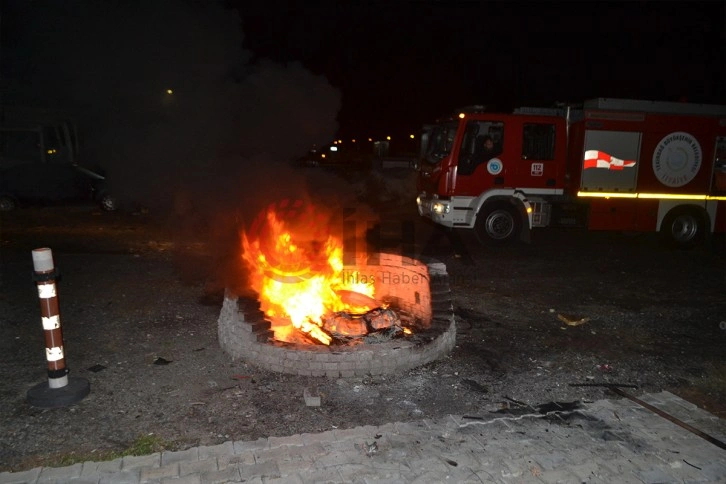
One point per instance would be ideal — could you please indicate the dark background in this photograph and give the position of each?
(255, 85)
(400, 64)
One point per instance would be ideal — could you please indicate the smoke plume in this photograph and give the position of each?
(169, 103)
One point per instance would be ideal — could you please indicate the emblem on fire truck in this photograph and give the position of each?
(600, 159)
(677, 159)
(495, 166)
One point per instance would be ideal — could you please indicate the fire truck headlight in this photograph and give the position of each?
(440, 207)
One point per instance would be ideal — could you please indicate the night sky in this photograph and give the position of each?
(405, 63)
(256, 86)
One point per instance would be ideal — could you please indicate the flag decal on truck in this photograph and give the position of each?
(600, 159)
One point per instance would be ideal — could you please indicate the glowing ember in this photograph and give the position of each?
(299, 275)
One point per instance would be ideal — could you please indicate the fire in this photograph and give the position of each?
(300, 276)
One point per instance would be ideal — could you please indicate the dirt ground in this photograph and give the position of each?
(134, 292)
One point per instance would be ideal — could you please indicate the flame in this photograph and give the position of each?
(300, 278)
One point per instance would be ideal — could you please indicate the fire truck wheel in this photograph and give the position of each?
(497, 225)
(683, 228)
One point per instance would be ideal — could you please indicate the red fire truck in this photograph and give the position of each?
(609, 164)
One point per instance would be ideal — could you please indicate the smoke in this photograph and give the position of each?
(166, 98)
(172, 107)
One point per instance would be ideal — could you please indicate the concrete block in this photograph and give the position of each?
(312, 397)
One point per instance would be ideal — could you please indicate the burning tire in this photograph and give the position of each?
(683, 228)
(497, 224)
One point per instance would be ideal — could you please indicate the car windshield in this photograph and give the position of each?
(440, 141)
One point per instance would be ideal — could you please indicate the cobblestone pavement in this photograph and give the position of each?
(605, 441)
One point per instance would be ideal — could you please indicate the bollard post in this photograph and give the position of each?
(59, 390)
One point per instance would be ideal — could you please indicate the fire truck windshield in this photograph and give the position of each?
(440, 142)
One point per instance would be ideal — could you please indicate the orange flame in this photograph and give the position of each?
(299, 279)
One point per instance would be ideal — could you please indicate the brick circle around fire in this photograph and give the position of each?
(418, 288)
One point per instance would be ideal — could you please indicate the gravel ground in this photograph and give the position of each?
(135, 291)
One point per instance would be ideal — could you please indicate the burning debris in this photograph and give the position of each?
(378, 324)
(296, 267)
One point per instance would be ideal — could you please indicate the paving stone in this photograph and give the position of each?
(230, 474)
(84, 480)
(363, 473)
(287, 441)
(305, 452)
(550, 461)
(555, 475)
(207, 451)
(108, 467)
(321, 437)
(715, 471)
(289, 479)
(168, 457)
(235, 460)
(130, 476)
(262, 471)
(150, 473)
(335, 458)
(51, 474)
(317, 476)
(20, 477)
(190, 479)
(276, 454)
(246, 446)
(588, 471)
(607, 441)
(654, 474)
(198, 467)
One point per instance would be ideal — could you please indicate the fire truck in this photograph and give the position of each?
(607, 164)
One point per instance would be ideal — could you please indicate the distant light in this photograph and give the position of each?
(322, 155)
(388, 138)
(353, 140)
(462, 115)
(370, 139)
(411, 136)
(333, 148)
(169, 91)
(340, 141)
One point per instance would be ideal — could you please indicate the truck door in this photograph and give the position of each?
(539, 170)
(523, 156)
(610, 165)
(479, 160)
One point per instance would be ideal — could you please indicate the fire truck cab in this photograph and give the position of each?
(609, 164)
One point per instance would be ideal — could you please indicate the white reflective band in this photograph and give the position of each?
(46, 291)
(52, 322)
(54, 354)
(58, 382)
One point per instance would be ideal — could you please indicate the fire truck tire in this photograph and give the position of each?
(497, 224)
(683, 228)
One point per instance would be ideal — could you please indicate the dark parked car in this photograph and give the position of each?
(38, 165)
